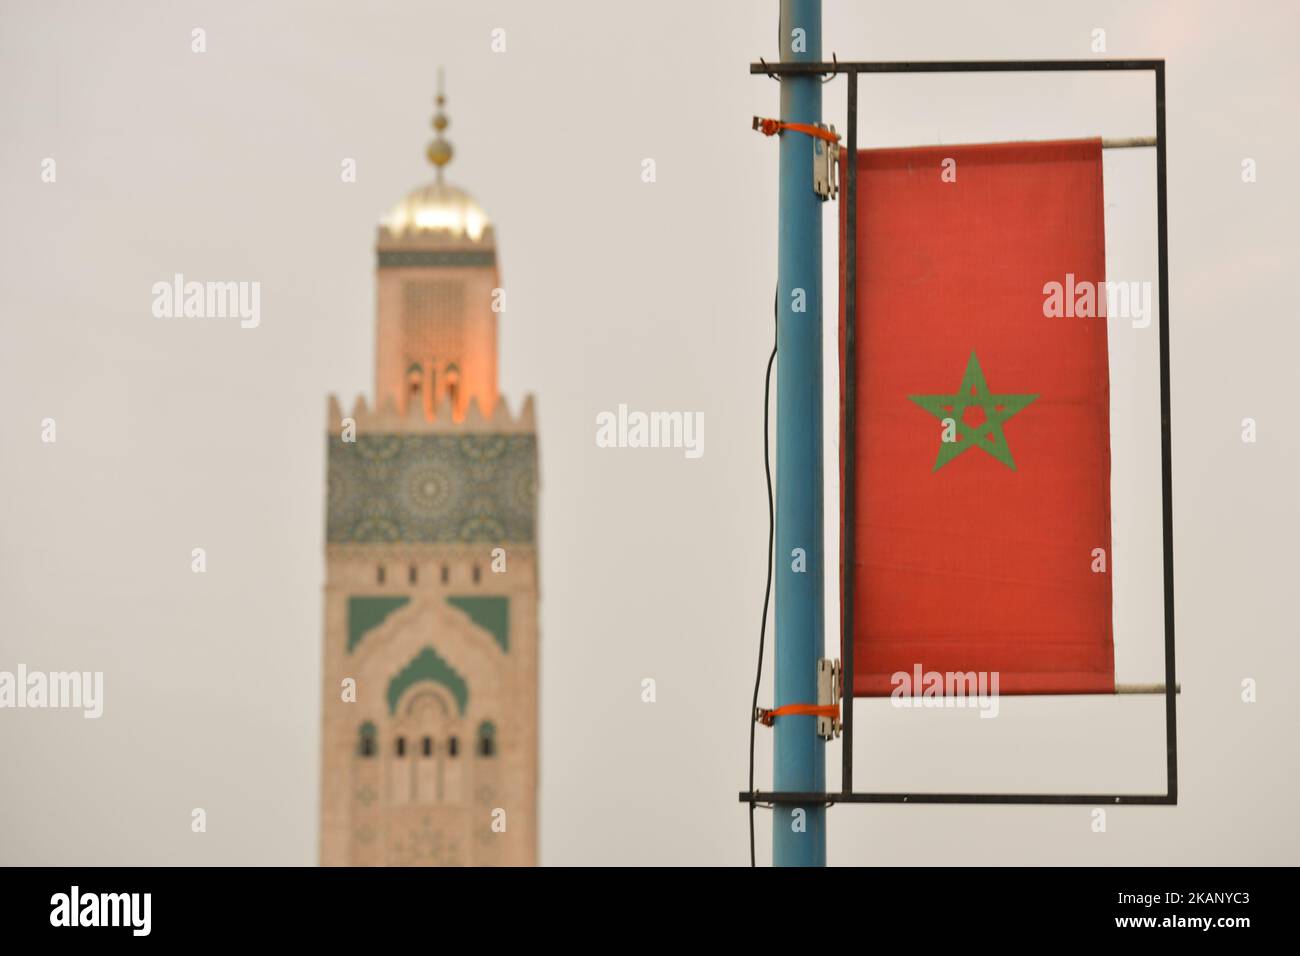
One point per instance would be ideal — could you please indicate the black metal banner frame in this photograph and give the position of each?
(853, 70)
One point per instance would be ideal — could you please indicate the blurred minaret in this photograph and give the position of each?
(430, 659)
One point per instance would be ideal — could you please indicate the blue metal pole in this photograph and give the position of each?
(799, 832)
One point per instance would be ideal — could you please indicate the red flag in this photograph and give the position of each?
(983, 425)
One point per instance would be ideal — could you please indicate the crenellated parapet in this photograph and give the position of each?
(387, 419)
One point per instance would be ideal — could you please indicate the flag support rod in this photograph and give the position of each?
(1126, 142)
(1145, 688)
(799, 761)
(798, 756)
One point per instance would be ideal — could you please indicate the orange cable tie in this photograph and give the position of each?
(766, 717)
(770, 127)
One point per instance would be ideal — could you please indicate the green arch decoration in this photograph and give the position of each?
(428, 665)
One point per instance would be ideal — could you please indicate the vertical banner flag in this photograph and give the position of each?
(982, 445)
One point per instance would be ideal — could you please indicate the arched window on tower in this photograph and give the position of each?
(414, 379)
(366, 740)
(445, 574)
(478, 574)
(453, 746)
(426, 747)
(487, 739)
(453, 385)
(401, 746)
(414, 574)
(379, 574)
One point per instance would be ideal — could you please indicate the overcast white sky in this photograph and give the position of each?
(171, 436)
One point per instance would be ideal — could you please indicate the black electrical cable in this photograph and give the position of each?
(767, 590)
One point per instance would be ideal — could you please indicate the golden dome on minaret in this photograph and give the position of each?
(439, 207)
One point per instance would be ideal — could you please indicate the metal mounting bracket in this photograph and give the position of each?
(826, 182)
(828, 695)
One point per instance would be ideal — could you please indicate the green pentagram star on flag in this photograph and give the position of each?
(977, 415)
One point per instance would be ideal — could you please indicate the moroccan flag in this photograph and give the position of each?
(983, 426)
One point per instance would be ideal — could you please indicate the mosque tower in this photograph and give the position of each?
(430, 704)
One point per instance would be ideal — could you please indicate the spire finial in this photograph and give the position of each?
(439, 151)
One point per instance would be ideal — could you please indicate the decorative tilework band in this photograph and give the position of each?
(436, 488)
(419, 259)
